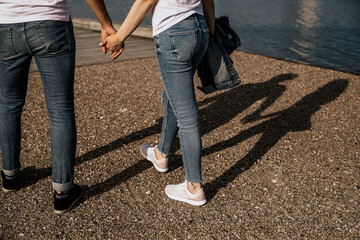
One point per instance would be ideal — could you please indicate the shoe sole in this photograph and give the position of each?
(9, 190)
(192, 202)
(149, 159)
(69, 208)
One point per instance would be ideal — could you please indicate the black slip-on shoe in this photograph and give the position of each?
(65, 202)
(10, 185)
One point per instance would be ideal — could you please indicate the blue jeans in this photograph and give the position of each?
(52, 44)
(179, 51)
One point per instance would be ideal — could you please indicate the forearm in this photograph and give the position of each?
(209, 14)
(99, 8)
(138, 12)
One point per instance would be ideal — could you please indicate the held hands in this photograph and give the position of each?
(113, 44)
(106, 32)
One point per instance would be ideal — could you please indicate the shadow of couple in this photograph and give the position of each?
(219, 110)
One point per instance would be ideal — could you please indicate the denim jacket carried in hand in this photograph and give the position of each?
(216, 70)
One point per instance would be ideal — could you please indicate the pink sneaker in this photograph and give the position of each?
(147, 152)
(181, 193)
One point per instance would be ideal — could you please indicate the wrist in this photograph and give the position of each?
(120, 37)
(107, 27)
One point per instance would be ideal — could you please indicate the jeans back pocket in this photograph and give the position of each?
(54, 36)
(184, 44)
(6, 47)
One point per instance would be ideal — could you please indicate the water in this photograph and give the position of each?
(323, 33)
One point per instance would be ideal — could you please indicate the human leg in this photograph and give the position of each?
(14, 68)
(158, 154)
(55, 58)
(13, 86)
(169, 127)
(176, 48)
(53, 44)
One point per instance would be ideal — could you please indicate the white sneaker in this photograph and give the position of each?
(147, 152)
(181, 193)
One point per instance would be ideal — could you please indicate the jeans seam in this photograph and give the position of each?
(167, 94)
(185, 160)
(180, 132)
(162, 137)
(164, 83)
(37, 27)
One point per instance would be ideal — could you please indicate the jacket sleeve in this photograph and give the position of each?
(216, 70)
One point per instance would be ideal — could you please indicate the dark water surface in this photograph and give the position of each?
(323, 33)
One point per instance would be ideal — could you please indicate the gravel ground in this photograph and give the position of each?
(281, 158)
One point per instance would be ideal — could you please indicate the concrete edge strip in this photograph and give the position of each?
(92, 24)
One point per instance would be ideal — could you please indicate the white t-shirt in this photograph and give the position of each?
(167, 13)
(17, 11)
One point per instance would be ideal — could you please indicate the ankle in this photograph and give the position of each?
(193, 187)
(60, 193)
(159, 155)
